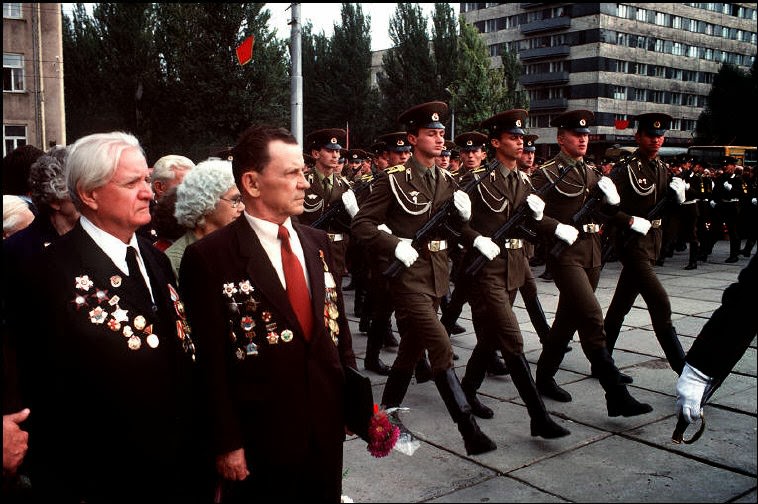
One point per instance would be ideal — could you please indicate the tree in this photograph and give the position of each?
(514, 95)
(728, 116)
(445, 48)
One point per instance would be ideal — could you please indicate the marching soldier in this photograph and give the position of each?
(689, 211)
(727, 189)
(493, 289)
(576, 271)
(642, 183)
(404, 201)
(327, 187)
(526, 160)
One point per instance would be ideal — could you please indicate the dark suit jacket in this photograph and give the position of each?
(113, 422)
(280, 398)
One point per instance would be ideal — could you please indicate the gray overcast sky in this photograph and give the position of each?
(324, 15)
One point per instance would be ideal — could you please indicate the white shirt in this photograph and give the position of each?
(268, 234)
(116, 249)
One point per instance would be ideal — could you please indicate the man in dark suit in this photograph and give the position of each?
(403, 202)
(113, 418)
(272, 336)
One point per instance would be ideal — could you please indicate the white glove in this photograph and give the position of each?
(678, 186)
(727, 186)
(536, 205)
(687, 186)
(463, 204)
(487, 247)
(406, 253)
(689, 393)
(713, 204)
(566, 233)
(754, 201)
(609, 189)
(640, 224)
(351, 204)
(383, 227)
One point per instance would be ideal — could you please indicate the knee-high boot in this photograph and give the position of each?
(373, 347)
(694, 250)
(672, 349)
(547, 365)
(612, 330)
(541, 424)
(476, 369)
(538, 318)
(618, 399)
(475, 441)
(396, 387)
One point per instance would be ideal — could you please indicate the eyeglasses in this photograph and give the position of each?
(235, 202)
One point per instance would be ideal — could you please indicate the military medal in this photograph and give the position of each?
(266, 316)
(97, 315)
(114, 300)
(114, 325)
(245, 287)
(329, 282)
(120, 314)
(287, 335)
(272, 338)
(240, 354)
(251, 305)
(128, 332)
(229, 289)
(139, 322)
(334, 327)
(332, 311)
(251, 349)
(100, 295)
(134, 342)
(83, 283)
(247, 323)
(180, 330)
(79, 301)
(152, 341)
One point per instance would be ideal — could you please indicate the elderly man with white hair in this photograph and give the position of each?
(206, 200)
(168, 172)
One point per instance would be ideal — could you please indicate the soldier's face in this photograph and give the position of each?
(649, 144)
(527, 159)
(509, 146)
(327, 160)
(572, 143)
(396, 158)
(442, 161)
(429, 142)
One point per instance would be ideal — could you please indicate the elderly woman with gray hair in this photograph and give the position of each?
(206, 200)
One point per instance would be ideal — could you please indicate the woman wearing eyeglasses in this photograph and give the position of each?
(206, 200)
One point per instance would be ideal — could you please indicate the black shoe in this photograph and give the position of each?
(745, 253)
(691, 266)
(546, 275)
(622, 403)
(497, 367)
(732, 259)
(377, 366)
(474, 439)
(423, 371)
(389, 339)
(456, 329)
(549, 388)
(622, 378)
(364, 324)
(478, 408)
(547, 428)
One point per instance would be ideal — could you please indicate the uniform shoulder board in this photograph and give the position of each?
(480, 169)
(343, 180)
(549, 164)
(395, 169)
(445, 173)
(524, 176)
(367, 177)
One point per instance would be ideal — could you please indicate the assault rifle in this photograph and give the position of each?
(516, 220)
(437, 221)
(338, 207)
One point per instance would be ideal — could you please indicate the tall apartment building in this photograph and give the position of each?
(33, 103)
(617, 60)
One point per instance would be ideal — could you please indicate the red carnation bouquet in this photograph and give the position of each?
(382, 433)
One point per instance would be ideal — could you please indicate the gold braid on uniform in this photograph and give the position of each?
(397, 192)
(550, 179)
(635, 181)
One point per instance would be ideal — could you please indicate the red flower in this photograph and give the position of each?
(382, 434)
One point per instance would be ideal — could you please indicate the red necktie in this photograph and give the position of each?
(297, 289)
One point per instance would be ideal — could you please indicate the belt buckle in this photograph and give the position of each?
(434, 245)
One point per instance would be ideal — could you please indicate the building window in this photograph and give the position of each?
(12, 10)
(619, 92)
(640, 94)
(490, 26)
(676, 125)
(13, 72)
(641, 14)
(13, 136)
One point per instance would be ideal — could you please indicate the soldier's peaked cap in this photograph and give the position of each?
(510, 121)
(396, 141)
(529, 141)
(331, 138)
(427, 115)
(577, 120)
(471, 140)
(653, 123)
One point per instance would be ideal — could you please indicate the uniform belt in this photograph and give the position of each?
(591, 228)
(656, 223)
(513, 243)
(431, 245)
(336, 237)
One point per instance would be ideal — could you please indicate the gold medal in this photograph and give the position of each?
(334, 327)
(266, 316)
(134, 343)
(153, 341)
(287, 335)
(128, 332)
(114, 325)
(115, 281)
(333, 312)
(97, 315)
(139, 322)
(272, 338)
(180, 330)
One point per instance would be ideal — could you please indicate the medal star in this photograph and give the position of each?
(120, 315)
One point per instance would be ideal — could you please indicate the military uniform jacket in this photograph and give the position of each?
(402, 202)
(722, 194)
(265, 387)
(316, 202)
(113, 417)
(492, 204)
(641, 184)
(566, 199)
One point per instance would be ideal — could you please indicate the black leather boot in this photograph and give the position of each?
(618, 399)
(496, 366)
(547, 365)
(389, 337)
(612, 330)
(541, 424)
(672, 349)
(372, 361)
(396, 387)
(476, 370)
(475, 441)
(537, 317)
(423, 370)
(692, 264)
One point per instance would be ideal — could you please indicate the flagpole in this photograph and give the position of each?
(296, 84)
(347, 135)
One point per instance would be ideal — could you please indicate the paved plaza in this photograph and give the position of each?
(604, 459)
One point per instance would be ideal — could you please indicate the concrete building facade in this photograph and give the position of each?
(33, 100)
(617, 60)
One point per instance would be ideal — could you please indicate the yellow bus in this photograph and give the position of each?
(715, 154)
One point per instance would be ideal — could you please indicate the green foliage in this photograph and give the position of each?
(728, 115)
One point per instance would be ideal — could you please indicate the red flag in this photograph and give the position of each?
(245, 50)
(622, 124)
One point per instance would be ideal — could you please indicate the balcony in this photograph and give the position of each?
(544, 25)
(547, 78)
(545, 52)
(551, 104)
